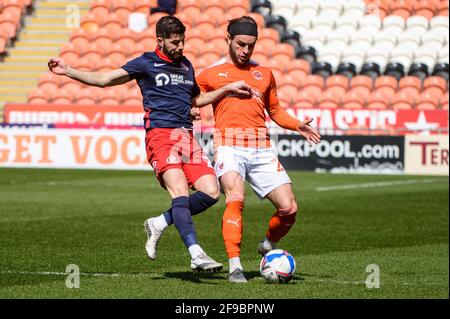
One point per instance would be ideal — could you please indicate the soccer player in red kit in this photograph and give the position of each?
(167, 82)
(242, 144)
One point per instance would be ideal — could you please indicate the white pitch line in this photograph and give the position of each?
(378, 184)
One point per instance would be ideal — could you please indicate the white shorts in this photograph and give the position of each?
(259, 166)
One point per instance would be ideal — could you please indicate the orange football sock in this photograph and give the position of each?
(232, 226)
(280, 224)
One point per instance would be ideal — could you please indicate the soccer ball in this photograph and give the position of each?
(277, 266)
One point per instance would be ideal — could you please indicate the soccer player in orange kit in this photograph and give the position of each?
(242, 143)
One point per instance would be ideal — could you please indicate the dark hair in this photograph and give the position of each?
(239, 20)
(168, 25)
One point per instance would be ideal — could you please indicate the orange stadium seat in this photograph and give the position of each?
(116, 52)
(62, 96)
(144, 6)
(276, 66)
(221, 45)
(100, 8)
(184, 4)
(13, 6)
(80, 37)
(379, 7)
(122, 8)
(85, 96)
(236, 11)
(269, 33)
(70, 51)
(238, 3)
(3, 42)
(427, 101)
(387, 84)
(284, 52)
(205, 24)
(402, 101)
(70, 84)
(435, 85)
(9, 24)
(304, 99)
(137, 50)
(213, 10)
(313, 83)
(298, 68)
(337, 80)
(284, 98)
(103, 38)
(85, 64)
(146, 35)
(328, 99)
(109, 96)
(353, 100)
(377, 101)
(411, 84)
(443, 101)
(442, 7)
(400, 8)
(49, 82)
(133, 97)
(426, 8)
(362, 81)
(114, 23)
(90, 23)
(260, 58)
(93, 51)
(126, 37)
(39, 96)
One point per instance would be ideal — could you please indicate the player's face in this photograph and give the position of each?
(173, 46)
(241, 48)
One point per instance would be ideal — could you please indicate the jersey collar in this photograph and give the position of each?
(162, 56)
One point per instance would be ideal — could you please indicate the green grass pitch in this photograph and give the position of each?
(52, 218)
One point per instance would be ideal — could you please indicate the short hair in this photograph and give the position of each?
(168, 25)
(239, 20)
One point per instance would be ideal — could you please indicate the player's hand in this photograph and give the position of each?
(195, 114)
(240, 88)
(309, 132)
(57, 66)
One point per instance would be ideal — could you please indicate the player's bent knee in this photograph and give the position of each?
(287, 215)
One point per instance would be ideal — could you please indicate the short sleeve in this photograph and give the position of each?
(202, 80)
(134, 68)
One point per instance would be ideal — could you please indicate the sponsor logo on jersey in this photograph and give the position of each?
(257, 75)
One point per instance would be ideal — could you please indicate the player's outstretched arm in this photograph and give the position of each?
(309, 132)
(100, 79)
(240, 88)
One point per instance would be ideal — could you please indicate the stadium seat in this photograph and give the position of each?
(443, 101)
(439, 25)
(114, 23)
(93, 51)
(393, 24)
(353, 100)
(122, 8)
(304, 99)
(137, 50)
(39, 96)
(331, 9)
(269, 33)
(377, 101)
(419, 69)
(298, 69)
(427, 101)
(70, 52)
(362, 81)
(259, 20)
(9, 24)
(337, 80)
(354, 8)
(62, 96)
(425, 8)
(442, 8)
(49, 82)
(408, 40)
(410, 84)
(100, 8)
(347, 69)
(90, 23)
(442, 70)
(126, 37)
(70, 84)
(322, 24)
(284, 98)
(395, 69)
(435, 85)
(378, 8)
(324, 69)
(103, 38)
(417, 25)
(154, 17)
(278, 23)
(115, 52)
(402, 101)
(401, 8)
(109, 96)
(328, 99)
(85, 96)
(85, 64)
(80, 37)
(15, 7)
(314, 83)
(262, 7)
(400, 56)
(371, 69)
(386, 84)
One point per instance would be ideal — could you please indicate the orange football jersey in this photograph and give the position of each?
(241, 121)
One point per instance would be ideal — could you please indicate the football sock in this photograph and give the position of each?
(160, 222)
(183, 220)
(232, 226)
(235, 263)
(195, 250)
(198, 202)
(280, 224)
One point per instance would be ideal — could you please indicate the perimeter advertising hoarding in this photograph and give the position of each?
(426, 155)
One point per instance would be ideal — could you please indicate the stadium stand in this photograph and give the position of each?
(374, 54)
